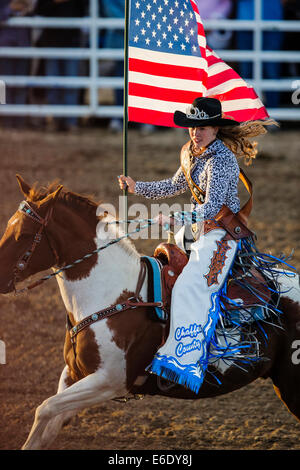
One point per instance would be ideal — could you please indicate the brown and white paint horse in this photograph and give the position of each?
(112, 354)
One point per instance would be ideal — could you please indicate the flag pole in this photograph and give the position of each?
(125, 112)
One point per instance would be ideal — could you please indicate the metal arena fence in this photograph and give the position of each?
(95, 56)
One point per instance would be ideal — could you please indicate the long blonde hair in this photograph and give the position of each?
(237, 138)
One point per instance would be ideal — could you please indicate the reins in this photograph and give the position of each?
(25, 258)
(22, 263)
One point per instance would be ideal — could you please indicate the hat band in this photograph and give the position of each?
(196, 113)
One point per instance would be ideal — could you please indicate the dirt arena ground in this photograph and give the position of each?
(33, 326)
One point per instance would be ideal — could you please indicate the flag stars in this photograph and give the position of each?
(165, 25)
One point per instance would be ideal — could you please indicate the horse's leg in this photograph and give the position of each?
(88, 391)
(55, 424)
(286, 369)
(286, 381)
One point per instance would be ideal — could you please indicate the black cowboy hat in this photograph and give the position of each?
(203, 112)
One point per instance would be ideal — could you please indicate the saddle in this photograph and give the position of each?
(168, 262)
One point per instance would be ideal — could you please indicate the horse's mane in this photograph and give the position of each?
(70, 198)
(86, 203)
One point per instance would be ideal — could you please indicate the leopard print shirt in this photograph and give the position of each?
(216, 172)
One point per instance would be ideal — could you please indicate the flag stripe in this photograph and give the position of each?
(153, 117)
(165, 70)
(156, 104)
(235, 93)
(235, 105)
(227, 87)
(219, 67)
(243, 115)
(165, 94)
(201, 33)
(166, 58)
(169, 83)
(222, 77)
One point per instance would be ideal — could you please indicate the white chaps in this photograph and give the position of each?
(195, 309)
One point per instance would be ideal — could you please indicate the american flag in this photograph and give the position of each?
(170, 65)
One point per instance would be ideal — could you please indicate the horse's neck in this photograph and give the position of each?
(115, 272)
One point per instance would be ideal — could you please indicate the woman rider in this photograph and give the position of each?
(210, 169)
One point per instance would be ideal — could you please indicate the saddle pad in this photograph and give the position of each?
(155, 266)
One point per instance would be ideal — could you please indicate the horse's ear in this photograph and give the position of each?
(57, 191)
(52, 196)
(25, 188)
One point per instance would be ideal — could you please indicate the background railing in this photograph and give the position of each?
(95, 55)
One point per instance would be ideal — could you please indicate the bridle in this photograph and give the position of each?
(22, 263)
